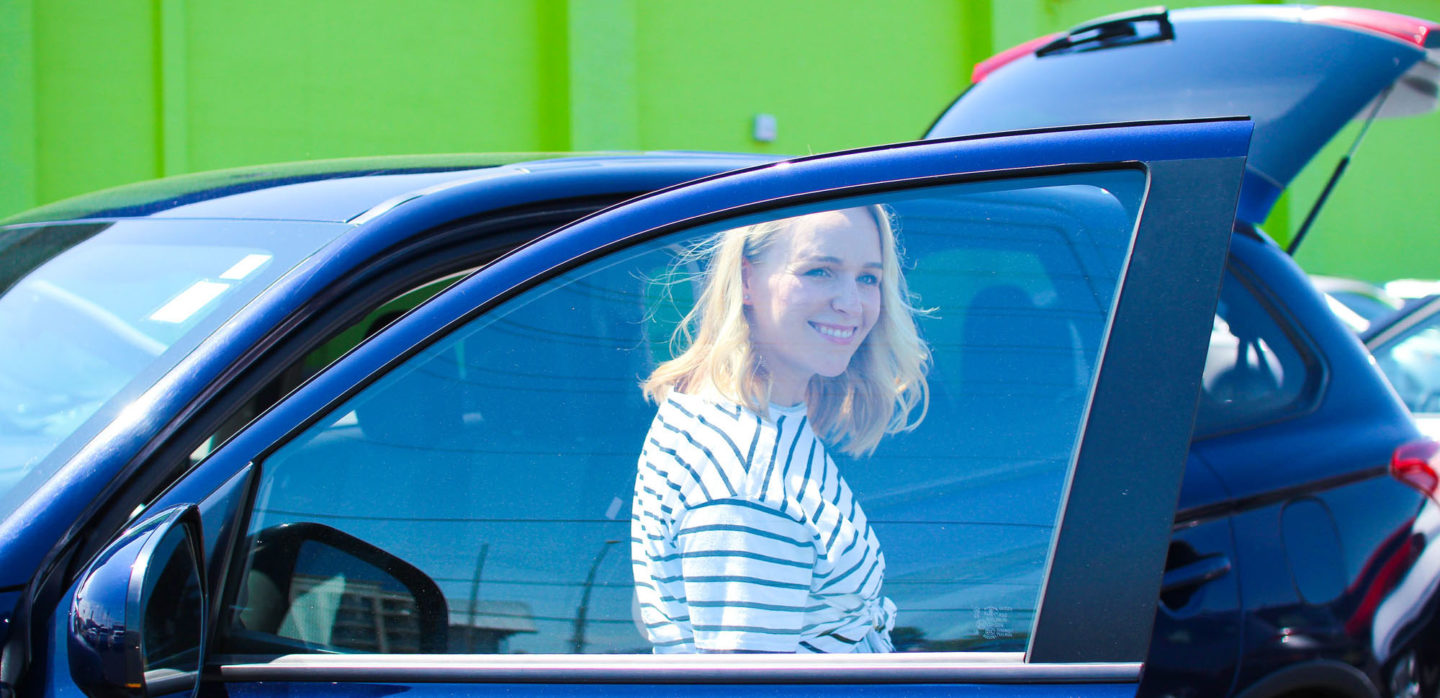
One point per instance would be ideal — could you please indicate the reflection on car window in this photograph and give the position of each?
(1412, 363)
(501, 462)
(1255, 370)
(320, 357)
(98, 317)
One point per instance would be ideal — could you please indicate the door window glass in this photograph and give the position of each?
(332, 348)
(778, 490)
(1256, 370)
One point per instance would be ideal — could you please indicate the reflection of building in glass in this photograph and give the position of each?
(370, 618)
(489, 629)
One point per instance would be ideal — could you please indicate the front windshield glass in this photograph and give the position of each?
(92, 314)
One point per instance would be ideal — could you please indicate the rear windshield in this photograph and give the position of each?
(91, 315)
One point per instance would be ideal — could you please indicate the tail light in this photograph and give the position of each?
(1417, 464)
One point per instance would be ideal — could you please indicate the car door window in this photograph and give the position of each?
(1258, 369)
(312, 362)
(500, 463)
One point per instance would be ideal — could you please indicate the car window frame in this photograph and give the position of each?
(998, 667)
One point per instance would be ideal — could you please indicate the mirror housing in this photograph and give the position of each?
(137, 622)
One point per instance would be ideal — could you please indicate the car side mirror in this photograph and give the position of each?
(137, 623)
(310, 587)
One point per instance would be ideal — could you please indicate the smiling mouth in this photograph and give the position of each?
(834, 332)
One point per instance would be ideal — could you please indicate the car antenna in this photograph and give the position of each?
(1335, 176)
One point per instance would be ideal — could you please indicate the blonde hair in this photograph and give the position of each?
(875, 395)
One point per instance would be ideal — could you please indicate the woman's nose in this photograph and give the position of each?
(847, 297)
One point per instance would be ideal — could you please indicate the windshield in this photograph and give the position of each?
(93, 314)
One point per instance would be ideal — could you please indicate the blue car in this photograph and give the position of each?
(374, 426)
(448, 504)
(1292, 547)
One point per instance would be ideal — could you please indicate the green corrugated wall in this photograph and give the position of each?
(96, 94)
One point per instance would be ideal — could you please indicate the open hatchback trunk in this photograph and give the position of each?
(1300, 73)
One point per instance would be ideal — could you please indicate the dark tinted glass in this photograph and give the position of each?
(1256, 370)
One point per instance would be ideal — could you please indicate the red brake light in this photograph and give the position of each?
(1009, 55)
(1421, 33)
(1417, 464)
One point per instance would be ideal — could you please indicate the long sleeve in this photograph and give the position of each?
(747, 570)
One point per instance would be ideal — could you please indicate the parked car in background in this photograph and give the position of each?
(1406, 346)
(1412, 289)
(1357, 303)
(1290, 533)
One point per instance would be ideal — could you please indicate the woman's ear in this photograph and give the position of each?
(746, 271)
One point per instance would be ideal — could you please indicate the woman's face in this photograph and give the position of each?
(814, 295)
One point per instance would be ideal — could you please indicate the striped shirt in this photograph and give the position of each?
(745, 537)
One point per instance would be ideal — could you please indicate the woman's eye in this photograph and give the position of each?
(869, 279)
(818, 271)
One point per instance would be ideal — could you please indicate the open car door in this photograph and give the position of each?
(456, 501)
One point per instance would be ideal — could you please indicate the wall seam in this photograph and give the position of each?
(603, 84)
(171, 120)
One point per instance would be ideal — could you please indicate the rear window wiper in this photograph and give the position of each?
(1141, 26)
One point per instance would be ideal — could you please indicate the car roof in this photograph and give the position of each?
(343, 190)
(1300, 72)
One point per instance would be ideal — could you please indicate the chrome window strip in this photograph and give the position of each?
(919, 667)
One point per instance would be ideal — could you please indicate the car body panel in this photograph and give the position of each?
(1299, 78)
(1278, 484)
(1195, 645)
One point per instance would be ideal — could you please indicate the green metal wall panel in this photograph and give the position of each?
(101, 94)
(602, 75)
(834, 75)
(17, 106)
(272, 80)
(95, 95)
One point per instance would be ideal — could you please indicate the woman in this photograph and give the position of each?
(745, 536)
